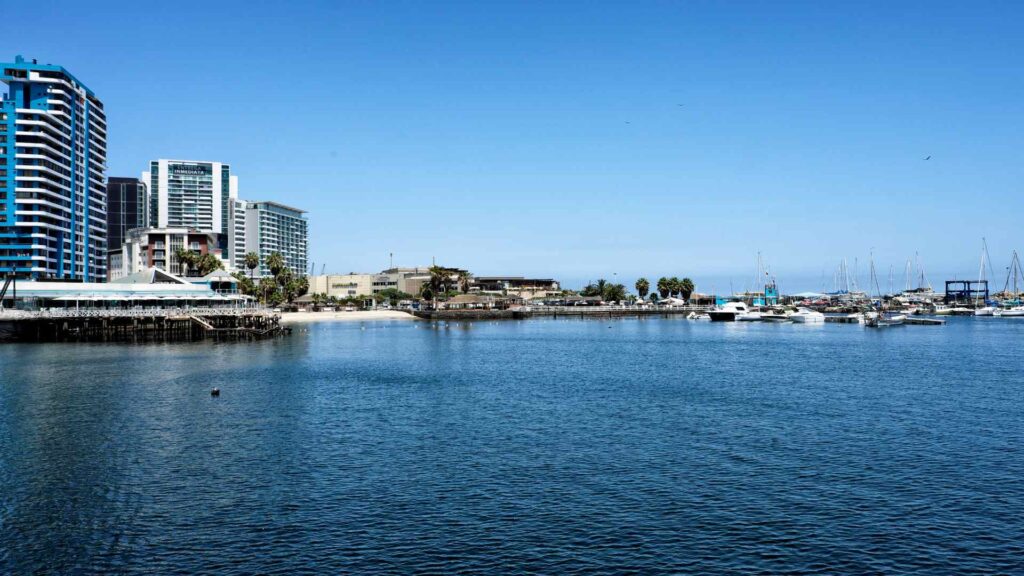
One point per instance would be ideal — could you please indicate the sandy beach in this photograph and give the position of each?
(362, 315)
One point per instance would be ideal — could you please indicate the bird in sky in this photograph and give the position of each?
(928, 158)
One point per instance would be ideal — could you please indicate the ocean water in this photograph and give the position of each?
(543, 446)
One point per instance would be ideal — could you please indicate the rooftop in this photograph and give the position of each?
(20, 64)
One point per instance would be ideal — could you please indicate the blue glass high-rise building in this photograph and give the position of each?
(53, 147)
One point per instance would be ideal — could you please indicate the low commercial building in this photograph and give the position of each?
(157, 248)
(481, 302)
(516, 285)
(408, 280)
(149, 288)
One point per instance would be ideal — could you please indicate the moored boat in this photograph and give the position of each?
(728, 312)
(807, 316)
(776, 316)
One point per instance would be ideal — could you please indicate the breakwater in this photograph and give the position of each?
(559, 311)
(178, 324)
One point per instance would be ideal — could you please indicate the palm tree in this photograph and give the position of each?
(267, 287)
(686, 288)
(643, 287)
(673, 285)
(186, 258)
(252, 262)
(275, 263)
(601, 283)
(439, 278)
(207, 263)
(614, 293)
(464, 278)
(664, 287)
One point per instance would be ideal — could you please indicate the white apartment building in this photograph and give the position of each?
(272, 227)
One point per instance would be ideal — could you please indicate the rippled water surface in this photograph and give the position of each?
(551, 446)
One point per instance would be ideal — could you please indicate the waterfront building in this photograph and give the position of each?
(408, 280)
(516, 285)
(53, 147)
(272, 227)
(192, 194)
(127, 208)
(145, 248)
(237, 234)
(411, 281)
(149, 287)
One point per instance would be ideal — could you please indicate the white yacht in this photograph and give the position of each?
(807, 316)
(986, 311)
(1014, 312)
(729, 312)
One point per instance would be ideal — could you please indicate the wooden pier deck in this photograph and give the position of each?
(139, 325)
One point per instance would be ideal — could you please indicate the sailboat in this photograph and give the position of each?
(1015, 310)
(882, 318)
(982, 308)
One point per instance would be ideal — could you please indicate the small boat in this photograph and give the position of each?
(728, 312)
(1015, 312)
(884, 319)
(942, 310)
(776, 316)
(750, 317)
(985, 311)
(807, 316)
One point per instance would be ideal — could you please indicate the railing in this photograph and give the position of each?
(622, 308)
(131, 313)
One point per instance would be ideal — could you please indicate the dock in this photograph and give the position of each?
(922, 321)
(133, 325)
(843, 319)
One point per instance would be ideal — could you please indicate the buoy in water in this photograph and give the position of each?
(215, 392)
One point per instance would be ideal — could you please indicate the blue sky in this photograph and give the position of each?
(579, 139)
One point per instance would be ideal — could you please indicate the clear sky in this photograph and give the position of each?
(579, 139)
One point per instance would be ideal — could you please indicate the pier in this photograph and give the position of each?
(169, 324)
(559, 312)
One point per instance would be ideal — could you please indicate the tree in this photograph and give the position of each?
(438, 279)
(686, 288)
(393, 295)
(614, 293)
(643, 287)
(207, 263)
(464, 278)
(245, 284)
(267, 287)
(664, 287)
(252, 262)
(673, 286)
(186, 258)
(275, 263)
(426, 293)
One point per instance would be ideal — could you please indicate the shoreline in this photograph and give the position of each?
(355, 316)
